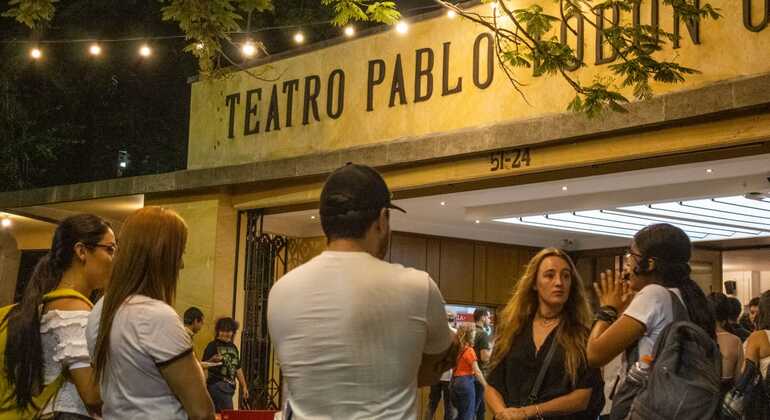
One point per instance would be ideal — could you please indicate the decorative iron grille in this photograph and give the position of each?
(266, 257)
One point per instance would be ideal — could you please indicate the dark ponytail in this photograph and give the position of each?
(24, 350)
(671, 250)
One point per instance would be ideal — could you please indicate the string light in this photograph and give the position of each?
(95, 49)
(248, 49)
(145, 51)
(6, 222)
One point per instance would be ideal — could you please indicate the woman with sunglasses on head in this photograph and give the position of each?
(46, 362)
(538, 367)
(638, 304)
(142, 354)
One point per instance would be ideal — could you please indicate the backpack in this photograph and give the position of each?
(684, 379)
(8, 408)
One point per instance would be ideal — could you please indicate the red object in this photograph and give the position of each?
(248, 414)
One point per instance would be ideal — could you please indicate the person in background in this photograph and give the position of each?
(141, 353)
(367, 332)
(758, 351)
(193, 321)
(633, 313)
(748, 320)
(483, 349)
(733, 326)
(221, 380)
(442, 388)
(46, 336)
(729, 345)
(547, 314)
(465, 375)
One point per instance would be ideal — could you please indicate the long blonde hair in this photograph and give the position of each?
(521, 308)
(152, 241)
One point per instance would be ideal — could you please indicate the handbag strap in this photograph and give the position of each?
(543, 369)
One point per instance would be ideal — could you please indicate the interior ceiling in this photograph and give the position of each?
(113, 209)
(471, 214)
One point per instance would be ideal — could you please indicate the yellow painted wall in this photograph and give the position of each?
(206, 280)
(38, 238)
(727, 50)
(691, 138)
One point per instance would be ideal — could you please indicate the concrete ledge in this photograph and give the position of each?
(719, 100)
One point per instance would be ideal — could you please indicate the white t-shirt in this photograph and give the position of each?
(652, 307)
(350, 331)
(146, 333)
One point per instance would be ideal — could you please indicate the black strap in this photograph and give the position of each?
(543, 369)
(678, 310)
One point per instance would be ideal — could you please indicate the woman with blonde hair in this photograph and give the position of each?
(141, 353)
(538, 367)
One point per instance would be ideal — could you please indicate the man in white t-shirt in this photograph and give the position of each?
(355, 336)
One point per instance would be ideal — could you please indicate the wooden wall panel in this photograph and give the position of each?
(456, 270)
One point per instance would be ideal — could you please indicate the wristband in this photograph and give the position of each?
(607, 314)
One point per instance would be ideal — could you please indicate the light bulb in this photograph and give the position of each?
(35, 53)
(451, 14)
(95, 49)
(145, 51)
(248, 49)
(299, 37)
(6, 222)
(402, 28)
(350, 31)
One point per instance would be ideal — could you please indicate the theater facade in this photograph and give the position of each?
(487, 175)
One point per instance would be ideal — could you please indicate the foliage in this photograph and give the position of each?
(29, 142)
(523, 41)
(209, 24)
(31, 12)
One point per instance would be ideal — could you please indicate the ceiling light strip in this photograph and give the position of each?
(518, 220)
(684, 225)
(649, 209)
(743, 202)
(635, 221)
(734, 217)
(734, 210)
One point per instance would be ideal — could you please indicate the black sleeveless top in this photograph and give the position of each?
(515, 375)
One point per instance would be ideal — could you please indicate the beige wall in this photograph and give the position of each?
(206, 280)
(727, 50)
(10, 256)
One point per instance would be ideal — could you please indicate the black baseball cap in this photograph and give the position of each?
(355, 188)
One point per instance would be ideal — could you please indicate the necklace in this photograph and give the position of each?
(547, 322)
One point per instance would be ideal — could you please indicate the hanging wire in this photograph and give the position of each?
(248, 31)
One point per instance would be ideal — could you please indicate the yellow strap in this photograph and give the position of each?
(66, 293)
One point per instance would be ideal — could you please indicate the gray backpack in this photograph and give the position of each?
(684, 380)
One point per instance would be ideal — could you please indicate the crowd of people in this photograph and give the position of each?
(356, 336)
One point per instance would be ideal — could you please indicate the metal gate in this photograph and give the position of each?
(265, 259)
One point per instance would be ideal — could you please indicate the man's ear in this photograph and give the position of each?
(384, 219)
